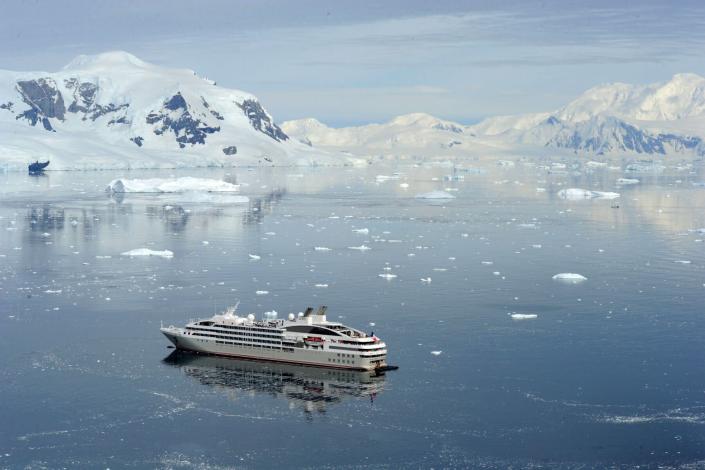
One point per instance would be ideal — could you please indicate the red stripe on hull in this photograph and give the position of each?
(261, 359)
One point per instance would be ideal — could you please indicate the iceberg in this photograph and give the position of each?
(524, 316)
(571, 278)
(148, 252)
(435, 195)
(575, 194)
(360, 248)
(170, 185)
(625, 181)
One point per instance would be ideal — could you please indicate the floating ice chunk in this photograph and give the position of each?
(574, 194)
(148, 252)
(387, 276)
(103, 257)
(46, 234)
(537, 245)
(322, 248)
(382, 178)
(436, 353)
(372, 323)
(435, 195)
(262, 292)
(206, 242)
(507, 163)
(440, 269)
(571, 278)
(526, 225)
(682, 261)
(626, 181)
(254, 257)
(524, 316)
(540, 190)
(427, 280)
(487, 263)
(170, 185)
(404, 185)
(74, 222)
(363, 231)
(360, 248)
(594, 164)
(50, 291)
(270, 234)
(321, 285)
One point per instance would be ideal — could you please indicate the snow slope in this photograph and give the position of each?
(114, 110)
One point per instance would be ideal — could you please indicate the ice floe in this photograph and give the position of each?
(571, 278)
(387, 276)
(322, 248)
(254, 257)
(626, 181)
(170, 185)
(524, 316)
(574, 194)
(360, 248)
(148, 252)
(435, 195)
(436, 353)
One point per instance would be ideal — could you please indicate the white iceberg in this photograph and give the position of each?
(363, 231)
(572, 278)
(170, 185)
(254, 257)
(360, 248)
(524, 316)
(148, 252)
(321, 248)
(436, 353)
(626, 181)
(387, 276)
(575, 194)
(435, 195)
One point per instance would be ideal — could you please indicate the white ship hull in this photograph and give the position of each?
(320, 357)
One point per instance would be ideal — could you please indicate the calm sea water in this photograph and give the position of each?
(610, 373)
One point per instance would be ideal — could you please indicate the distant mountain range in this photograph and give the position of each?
(614, 120)
(114, 110)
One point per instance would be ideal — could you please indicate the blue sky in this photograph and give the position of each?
(355, 62)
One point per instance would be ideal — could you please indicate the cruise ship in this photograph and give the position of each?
(307, 338)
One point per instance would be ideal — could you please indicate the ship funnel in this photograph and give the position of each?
(308, 312)
(322, 310)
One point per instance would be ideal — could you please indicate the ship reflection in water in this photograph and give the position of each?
(312, 389)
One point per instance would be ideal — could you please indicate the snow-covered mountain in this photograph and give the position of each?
(617, 119)
(114, 110)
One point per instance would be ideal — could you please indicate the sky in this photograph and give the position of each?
(353, 62)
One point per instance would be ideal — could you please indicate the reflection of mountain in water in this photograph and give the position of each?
(259, 206)
(312, 388)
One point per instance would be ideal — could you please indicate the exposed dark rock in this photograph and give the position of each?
(138, 140)
(187, 128)
(261, 120)
(7, 106)
(232, 150)
(213, 112)
(611, 134)
(84, 96)
(175, 102)
(120, 120)
(44, 99)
